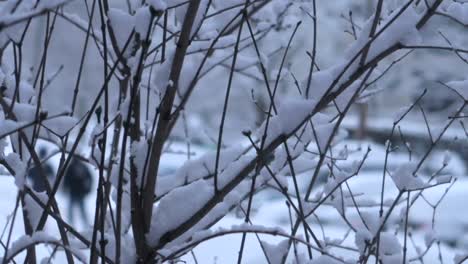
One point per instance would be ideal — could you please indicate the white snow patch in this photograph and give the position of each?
(142, 21)
(19, 168)
(122, 25)
(177, 207)
(276, 252)
(404, 179)
(158, 5)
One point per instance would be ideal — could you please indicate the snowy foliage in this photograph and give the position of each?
(199, 110)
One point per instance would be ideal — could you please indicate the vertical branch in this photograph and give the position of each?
(405, 249)
(31, 251)
(100, 204)
(226, 100)
(314, 48)
(165, 113)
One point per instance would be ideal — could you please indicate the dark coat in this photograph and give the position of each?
(78, 179)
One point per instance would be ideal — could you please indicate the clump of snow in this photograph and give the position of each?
(158, 5)
(19, 168)
(122, 25)
(323, 134)
(142, 21)
(458, 11)
(3, 146)
(362, 238)
(177, 207)
(301, 164)
(390, 248)
(161, 76)
(291, 114)
(276, 252)
(8, 126)
(332, 183)
(24, 112)
(221, 209)
(402, 29)
(233, 170)
(371, 221)
(338, 202)
(139, 151)
(404, 179)
(321, 80)
(24, 241)
(193, 170)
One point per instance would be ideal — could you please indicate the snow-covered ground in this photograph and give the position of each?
(271, 211)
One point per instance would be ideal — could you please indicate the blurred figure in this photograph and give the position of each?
(77, 184)
(37, 180)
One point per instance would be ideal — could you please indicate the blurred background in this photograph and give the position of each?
(417, 71)
(369, 123)
(401, 85)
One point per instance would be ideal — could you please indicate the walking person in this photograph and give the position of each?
(77, 184)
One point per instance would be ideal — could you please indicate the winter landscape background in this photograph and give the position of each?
(294, 131)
